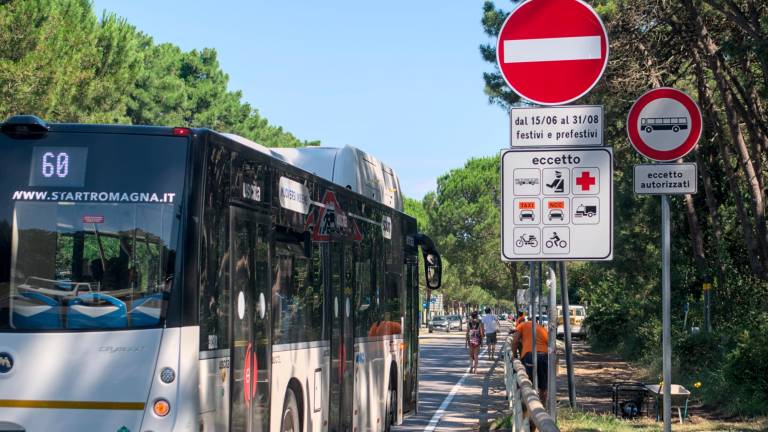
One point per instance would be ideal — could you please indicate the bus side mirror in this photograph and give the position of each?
(433, 269)
(433, 265)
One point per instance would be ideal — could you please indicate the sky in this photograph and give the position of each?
(401, 80)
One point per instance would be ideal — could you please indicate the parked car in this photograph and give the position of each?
(455, 322)
(577, 314)
(445, 323)
(438, 323)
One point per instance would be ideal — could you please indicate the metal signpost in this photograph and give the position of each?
(665, 124)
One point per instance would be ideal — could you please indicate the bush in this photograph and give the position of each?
(744, 371)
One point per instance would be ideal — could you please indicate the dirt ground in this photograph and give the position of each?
(595, 375)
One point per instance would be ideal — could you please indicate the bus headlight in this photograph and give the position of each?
(161, 407)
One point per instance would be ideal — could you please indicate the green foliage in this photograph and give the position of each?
(662, 43)
(59, 62)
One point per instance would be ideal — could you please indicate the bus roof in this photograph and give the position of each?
(348, 167)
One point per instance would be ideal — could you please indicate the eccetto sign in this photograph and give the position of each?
(670, 179)
(557, 204)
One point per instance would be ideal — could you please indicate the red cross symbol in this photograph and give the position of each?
(586, 181)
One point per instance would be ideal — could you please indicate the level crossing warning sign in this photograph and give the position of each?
(557, 205)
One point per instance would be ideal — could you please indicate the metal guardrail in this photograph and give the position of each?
(520, 394)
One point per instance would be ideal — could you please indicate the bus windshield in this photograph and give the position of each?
(99, 254)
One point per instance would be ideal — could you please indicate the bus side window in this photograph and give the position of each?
(214, 260)
(297, 297)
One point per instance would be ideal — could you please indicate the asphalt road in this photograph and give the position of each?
(450, 398)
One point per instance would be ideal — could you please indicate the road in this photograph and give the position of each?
(450, 398)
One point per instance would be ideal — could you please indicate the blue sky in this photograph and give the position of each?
(401, 80)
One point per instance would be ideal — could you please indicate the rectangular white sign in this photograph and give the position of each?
(578, 125)
(667, 179)
(552, 49)
(294, 195)
(557, 205)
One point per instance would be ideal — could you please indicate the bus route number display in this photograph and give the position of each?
(58, 166)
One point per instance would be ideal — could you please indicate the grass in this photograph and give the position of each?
(581, 421)
(569, 420)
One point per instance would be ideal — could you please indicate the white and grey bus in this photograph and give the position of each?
(174, 279)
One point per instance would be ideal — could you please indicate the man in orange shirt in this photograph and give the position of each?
(524, 335)
(520, 318)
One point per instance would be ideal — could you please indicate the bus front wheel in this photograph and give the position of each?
(290, 421)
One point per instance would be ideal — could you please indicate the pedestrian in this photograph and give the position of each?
(474, 339)
(520, 318)
(523, 339)
(491, 326)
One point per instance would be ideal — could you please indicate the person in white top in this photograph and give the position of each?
(491, 324)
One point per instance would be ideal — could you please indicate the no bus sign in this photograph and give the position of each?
(552, 52)
(664, 124)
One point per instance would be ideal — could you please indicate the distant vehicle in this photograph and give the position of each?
(577, 314)
(542, 319)
(556, 214)
(455, 322)
(445, 323)
(503, 317)
(527, 215)
(588, 210)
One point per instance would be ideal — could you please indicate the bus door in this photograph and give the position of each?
(409, 298)
(250, 345)
(342, 337)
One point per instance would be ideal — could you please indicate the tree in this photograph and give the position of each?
(59, 62)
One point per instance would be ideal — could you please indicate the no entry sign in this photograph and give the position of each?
(552, 52)
(664, 124)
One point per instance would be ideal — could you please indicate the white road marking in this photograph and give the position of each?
(552, 49)
(448, 399)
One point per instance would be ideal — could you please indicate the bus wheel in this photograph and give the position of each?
(391, 415)
(290, 421)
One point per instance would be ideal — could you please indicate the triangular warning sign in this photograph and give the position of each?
(331, 220)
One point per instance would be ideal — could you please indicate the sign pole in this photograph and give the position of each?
(535, 280)
(552, 349)
(567, 333)
(666, 310)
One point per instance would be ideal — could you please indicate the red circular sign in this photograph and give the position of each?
(664, 124)
(552, 52)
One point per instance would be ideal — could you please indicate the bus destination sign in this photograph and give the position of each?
(58, 166)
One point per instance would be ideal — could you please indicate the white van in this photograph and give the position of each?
(577, 315)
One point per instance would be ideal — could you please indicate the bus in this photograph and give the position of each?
(176, 279)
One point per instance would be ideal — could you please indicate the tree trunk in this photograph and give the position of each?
(746, 223)
(714, 59)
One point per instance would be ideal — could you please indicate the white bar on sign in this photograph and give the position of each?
(552, 49)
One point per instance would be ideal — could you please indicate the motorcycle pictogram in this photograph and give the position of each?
(529, 240)
(556, 241)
